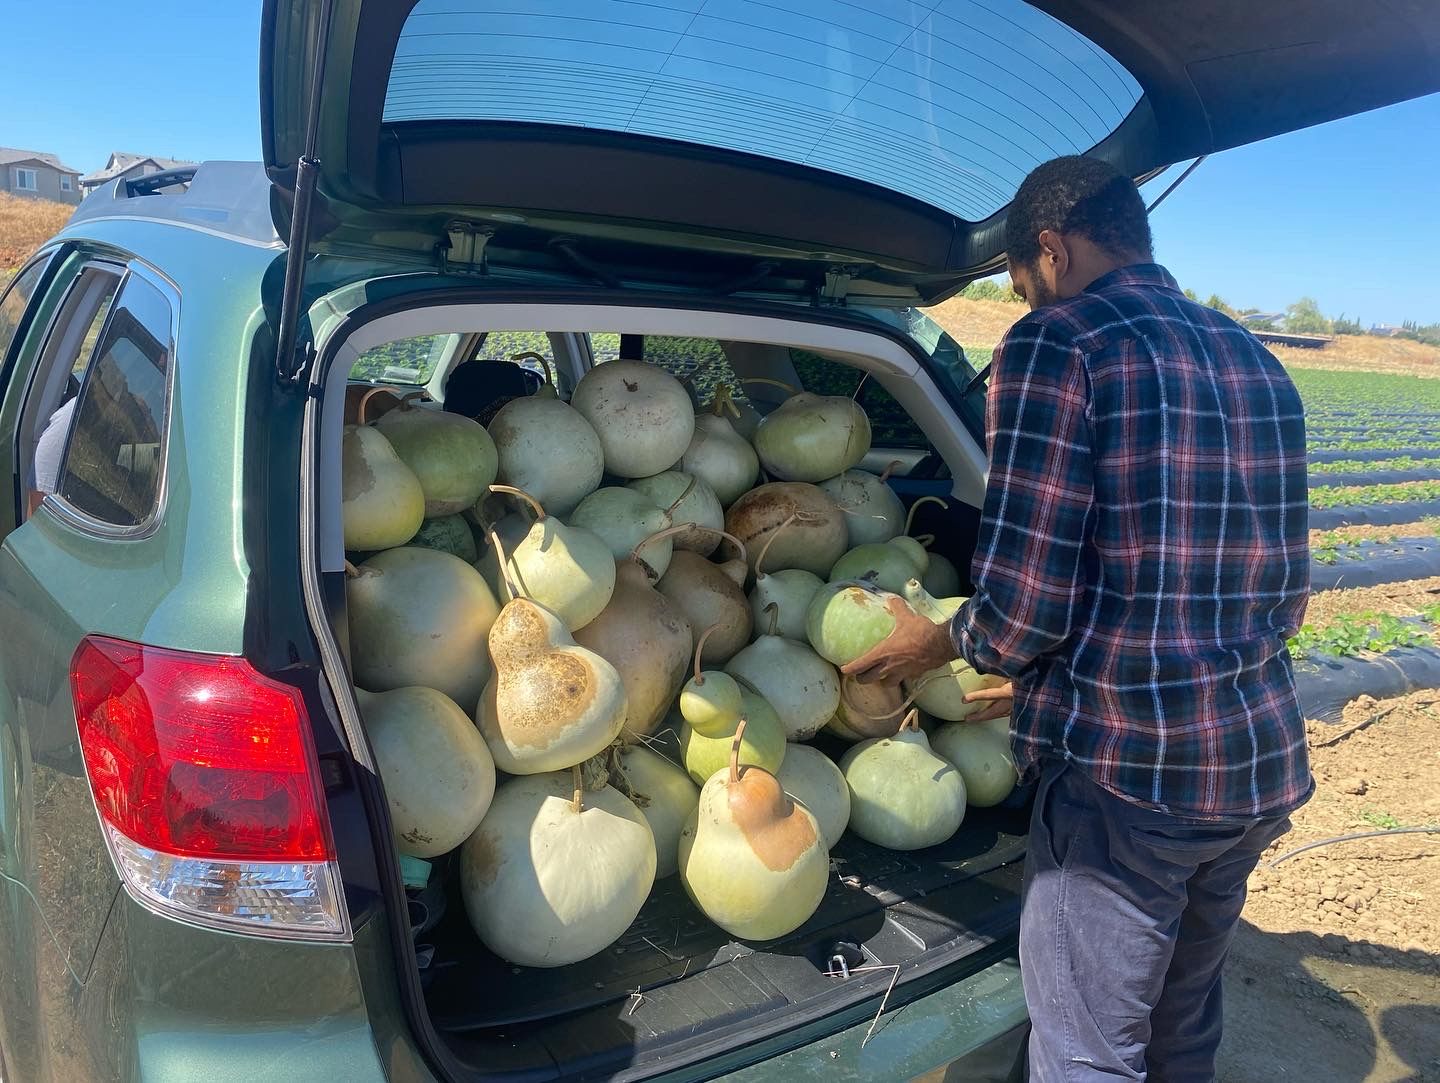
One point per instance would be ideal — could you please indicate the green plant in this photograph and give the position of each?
(1339, 496)
(1379, 818)
(1349, 634)
(1305, 318)
(1353, 466)
(987, 289)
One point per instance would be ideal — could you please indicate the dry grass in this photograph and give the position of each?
(976, 323)
(25, 224)
(983, 323)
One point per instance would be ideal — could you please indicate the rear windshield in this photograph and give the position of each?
(950, 102)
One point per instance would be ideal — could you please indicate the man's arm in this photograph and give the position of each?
(1028, 561)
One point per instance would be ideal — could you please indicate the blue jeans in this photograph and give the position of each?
(1128, 916)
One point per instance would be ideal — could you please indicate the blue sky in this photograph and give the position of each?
(1346, 212)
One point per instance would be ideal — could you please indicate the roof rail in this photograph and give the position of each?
(151, 183)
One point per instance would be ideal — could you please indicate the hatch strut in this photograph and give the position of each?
(292, 363)
(1176, 183)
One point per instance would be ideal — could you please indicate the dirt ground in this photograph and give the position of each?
(1423, 528)
(1336, 973)
(1405, 599)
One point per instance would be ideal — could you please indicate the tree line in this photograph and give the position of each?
(1303, 317)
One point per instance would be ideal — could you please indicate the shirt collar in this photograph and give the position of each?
(1134, 274)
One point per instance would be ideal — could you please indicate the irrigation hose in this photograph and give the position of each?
(1431, 830)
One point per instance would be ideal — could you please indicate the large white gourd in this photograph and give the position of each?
(811, 777)
(814, 537)
(902, 795)
(752, 859)
(553, 875)
(420, 617)
(552, 703)
(453, 457)
(567, 569)
(813, 437)
(642, 414)
(982, 757)
(666, 798)
(381, 501)
(803, 688)
(720, 457)
(547, 448)
(439, 777)
(873, 512)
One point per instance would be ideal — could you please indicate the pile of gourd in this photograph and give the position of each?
(594, 639)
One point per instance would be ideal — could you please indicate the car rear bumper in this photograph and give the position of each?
(973, 1030)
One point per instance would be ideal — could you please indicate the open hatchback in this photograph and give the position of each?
(780, 183)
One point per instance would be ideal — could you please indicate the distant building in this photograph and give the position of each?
(33, 174)
(1385, 330)
(129, 166)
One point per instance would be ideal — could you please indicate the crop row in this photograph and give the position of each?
(1350, 633)
(1339, 496)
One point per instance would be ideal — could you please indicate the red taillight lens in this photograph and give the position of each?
(198, 755)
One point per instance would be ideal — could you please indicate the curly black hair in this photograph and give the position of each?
(1080, 195)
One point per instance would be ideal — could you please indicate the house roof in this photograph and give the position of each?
(14, 156)
(121, 161)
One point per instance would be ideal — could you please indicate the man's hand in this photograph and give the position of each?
(998, 702)
(916, 646)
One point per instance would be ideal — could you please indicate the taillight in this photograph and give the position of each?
(207, 785)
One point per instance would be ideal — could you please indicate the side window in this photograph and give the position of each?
(699, 363)
(13, 306)
(404, 361)
(113, 458)
(890, 425)
(50, 402)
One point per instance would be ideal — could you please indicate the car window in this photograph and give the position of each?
(699, 363)
(14, 304)
(50, 402)
(113, 457)
(404, 361)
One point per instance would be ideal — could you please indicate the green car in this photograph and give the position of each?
(197, 874)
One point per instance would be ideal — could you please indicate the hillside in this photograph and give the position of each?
(981, 324)
(25, 224)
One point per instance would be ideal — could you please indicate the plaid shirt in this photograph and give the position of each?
(1144, 550)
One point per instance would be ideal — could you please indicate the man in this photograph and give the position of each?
(1142, 559)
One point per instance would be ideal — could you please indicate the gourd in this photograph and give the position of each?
(642, 415)
(811, 777)
(902, 795)
(554, 874)
(548, 449)
(812, 437)
(752, 859)
(453, 457)
(551, 703)
(814, 540)
(420, 617)
(803, 688)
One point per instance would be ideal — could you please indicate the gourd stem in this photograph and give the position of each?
(502, 563)
(578, 801)
(681, 498)
(731, 538)
(765, 549)
(351, 572)
(659, 535)
(855, 395)
(735, 751)
(774, 610)
(405, 400)
(539, 359)
(773, 383)
(520, 494)
(911, 723)
(724, 402)
(365, 401)
(927, 540)
(699, 649)
(910, 519)
(890, 468)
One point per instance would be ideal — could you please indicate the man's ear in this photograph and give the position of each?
(1054, 254)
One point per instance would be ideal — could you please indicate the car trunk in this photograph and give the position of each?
(675, 989)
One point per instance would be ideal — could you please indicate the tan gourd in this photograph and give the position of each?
(646, 638)
(814, 541)
(710, 595)
(751, 858)
(551, 703)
